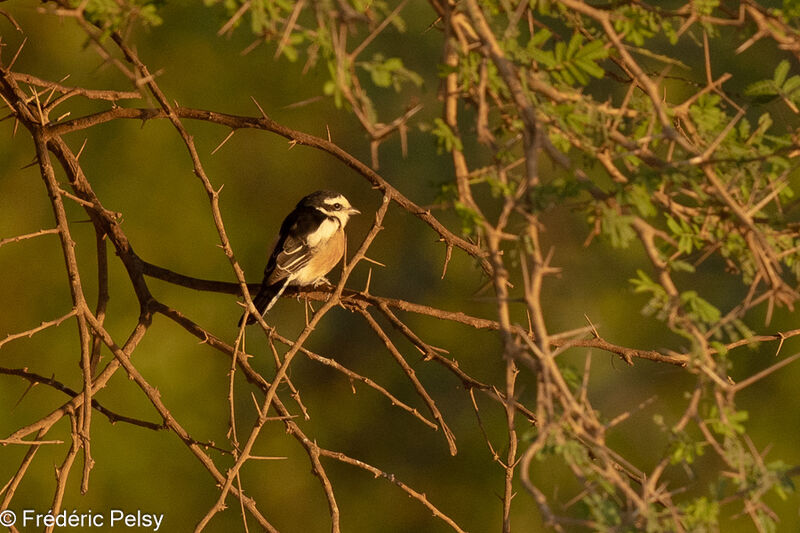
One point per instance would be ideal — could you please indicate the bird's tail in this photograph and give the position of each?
(265, 299)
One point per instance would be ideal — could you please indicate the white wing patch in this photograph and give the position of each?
(290, 266)
(293, 250)
(325, 231)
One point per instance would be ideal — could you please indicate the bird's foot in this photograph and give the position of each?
(322, 281)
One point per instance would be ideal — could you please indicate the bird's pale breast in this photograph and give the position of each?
(325, 257)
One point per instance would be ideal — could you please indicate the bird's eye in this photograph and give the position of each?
(337, 206)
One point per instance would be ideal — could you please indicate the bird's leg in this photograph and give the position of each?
(322, 280)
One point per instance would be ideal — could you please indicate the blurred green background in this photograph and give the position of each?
(144, 172)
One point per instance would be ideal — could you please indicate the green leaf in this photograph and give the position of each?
(640, 197)
(574, 45)
(681, 266)
(591, 68)
(699, 308)
(707, 114)
(390, 72)
(721, 349)
(704, 7)
(617, 227)
(701, 514)
(445, 138)
(593, 51)
(643, 283)
(791, 85)
(791, 8)
(728, 425)
(539, 38)
(470, 219)
(780, 73)
(381, 78)
(560, 51)
(576, 73)
(673, 226)
(761, 88)
(685, 450)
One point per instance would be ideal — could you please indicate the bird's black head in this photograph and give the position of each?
(318, 198)
(331, 204)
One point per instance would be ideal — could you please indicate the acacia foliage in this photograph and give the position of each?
(640, 118)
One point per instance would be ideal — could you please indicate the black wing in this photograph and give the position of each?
(291, 253)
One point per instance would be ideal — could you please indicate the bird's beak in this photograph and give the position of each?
(353, 211)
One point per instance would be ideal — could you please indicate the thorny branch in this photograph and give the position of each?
(546, 411)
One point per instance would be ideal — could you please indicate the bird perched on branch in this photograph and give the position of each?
(310, 243)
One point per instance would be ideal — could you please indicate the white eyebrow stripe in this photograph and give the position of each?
(337, 200)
